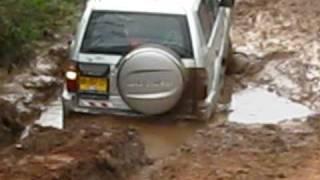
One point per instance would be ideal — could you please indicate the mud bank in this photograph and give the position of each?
(24, 94)
(32, 86)
(87, 154)
(10, 128)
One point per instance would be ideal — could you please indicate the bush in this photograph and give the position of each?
(23, 21)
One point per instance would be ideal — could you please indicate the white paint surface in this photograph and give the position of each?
(53, 116)
(258, 106)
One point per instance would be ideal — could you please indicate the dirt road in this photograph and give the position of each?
(281, 43)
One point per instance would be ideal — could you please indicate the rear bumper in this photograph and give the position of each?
(70, 102)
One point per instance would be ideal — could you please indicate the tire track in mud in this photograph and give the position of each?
(161, 137)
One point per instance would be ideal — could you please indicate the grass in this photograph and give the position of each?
(23, 22)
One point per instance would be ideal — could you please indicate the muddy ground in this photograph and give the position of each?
(282, 41)
(280, 45)
(232, 151)
(85, 154)
(25, 93)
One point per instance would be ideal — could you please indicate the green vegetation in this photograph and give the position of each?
(24, 21)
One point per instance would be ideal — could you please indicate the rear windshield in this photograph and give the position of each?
(119, 33)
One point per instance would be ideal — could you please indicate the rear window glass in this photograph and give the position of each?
(119, 33)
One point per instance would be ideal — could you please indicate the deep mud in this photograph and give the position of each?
(277, 48)
(85, 154)
(233, 151)
(161, 137)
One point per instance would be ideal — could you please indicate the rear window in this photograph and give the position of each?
(119, 33)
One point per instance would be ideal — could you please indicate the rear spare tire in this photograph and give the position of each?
(151, 79)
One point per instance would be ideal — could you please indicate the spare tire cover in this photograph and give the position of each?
(151, 79)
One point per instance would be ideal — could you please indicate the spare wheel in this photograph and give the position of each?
(151, 79)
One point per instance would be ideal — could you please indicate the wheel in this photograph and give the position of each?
(225, 93)
(229, 58)
(225, 96)
(66, 111)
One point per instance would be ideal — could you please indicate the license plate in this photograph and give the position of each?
(93, 84)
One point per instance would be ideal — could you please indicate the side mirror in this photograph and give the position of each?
(227, 3)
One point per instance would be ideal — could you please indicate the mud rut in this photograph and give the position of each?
(282, 55)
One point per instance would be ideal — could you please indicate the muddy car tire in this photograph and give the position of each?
(66, 111)
(151, 79)
(220, 94)
(229, 58)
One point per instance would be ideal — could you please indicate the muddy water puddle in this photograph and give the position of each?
(161, 137)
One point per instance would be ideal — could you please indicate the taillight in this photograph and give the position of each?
(72, 85)
(71, 76)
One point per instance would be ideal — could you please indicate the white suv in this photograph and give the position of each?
(149, 57)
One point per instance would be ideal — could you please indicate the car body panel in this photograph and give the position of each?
(208, 55)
